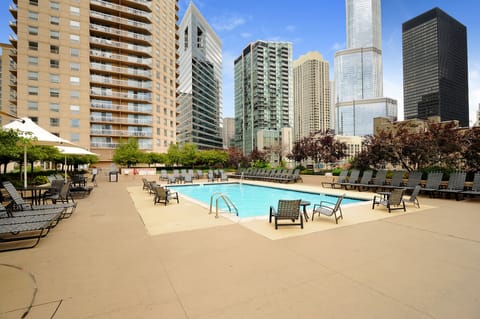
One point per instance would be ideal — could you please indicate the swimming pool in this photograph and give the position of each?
(251, 200)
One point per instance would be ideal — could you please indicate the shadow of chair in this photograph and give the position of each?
(287, 210)
(329, 209)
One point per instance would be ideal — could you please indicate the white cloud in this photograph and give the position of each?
(228, 22)
(337, 46)
(246, 35)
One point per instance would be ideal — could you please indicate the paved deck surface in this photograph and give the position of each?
(119, 256)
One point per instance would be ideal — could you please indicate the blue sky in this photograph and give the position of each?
(313, 25)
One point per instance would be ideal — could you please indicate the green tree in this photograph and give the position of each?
(188, 154)
(154, 158)
(127, 153)
(9, 147)
(212, 158)
(173, 155)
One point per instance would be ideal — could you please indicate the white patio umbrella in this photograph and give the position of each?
(39, 136)
(71, 150)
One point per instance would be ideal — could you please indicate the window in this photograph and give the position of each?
(33, 90)
(74, 80)
(33, 2)
(54, 64)
(32, 105)
(74, 52)
(74, 24)
(75, 108)
(54, 107)
(32, 45)
(75, 38)
(54, 92)
(33, 76)
(74, 94)
(55, 20)
(54, 49)
(54, 35)
(75, 137)
(32, 30)
(54, 5)
(54, 121)
(74, 123)
(74, 66)
(54, 78)
(33, 16)
(33, 60)
(74, 10)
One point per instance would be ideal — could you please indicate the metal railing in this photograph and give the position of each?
(226, 199)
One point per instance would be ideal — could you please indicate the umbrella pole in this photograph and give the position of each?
(65, 166)
(25, 166)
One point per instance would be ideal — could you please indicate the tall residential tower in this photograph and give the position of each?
(97, 72)
(435, 67)
(200, 82)
(358, 72)
(263, 95)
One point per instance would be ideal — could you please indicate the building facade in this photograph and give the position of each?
(359, 72)
(311, 95)
(98, 72)
(7, 79)
(263, 91)
(435, 67)
(200, 82)
(228, 132)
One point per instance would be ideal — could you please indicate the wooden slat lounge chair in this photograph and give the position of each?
(378, 181)
(392, 201)
(352, 179)
(456, 185)
(329, 209)
(287, 210)
(414, 179)
(365, 181)
(396, 181)
(342, 178)
(475, 190)
(434, 180)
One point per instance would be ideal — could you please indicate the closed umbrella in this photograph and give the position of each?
(39, 136)
(71, 150)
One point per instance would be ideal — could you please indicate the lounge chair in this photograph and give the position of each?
(188, 178)
(365, 180)
(434, 180)
(396, 181)
(414, 179)
(456, 185)
(342, 178)
(414, 197)
(223, 177)
(329, 209)
(163, 195)
(392, 201)
(163, 175)
(54, 192)
(286, 210)
(352, 179)
(475, 190)
(378, 181)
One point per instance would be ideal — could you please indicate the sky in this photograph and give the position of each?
(318, 25)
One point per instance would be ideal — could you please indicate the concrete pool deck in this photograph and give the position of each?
(119, 256)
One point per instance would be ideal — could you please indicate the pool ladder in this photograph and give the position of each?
(227, 201)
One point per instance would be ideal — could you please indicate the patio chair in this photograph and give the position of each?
(434, 180)
(223, 177)
(329, 209)
(475, 190)
(378, 181)
(365, 180)
(163, 195)
(163, 175)
(352, 179)
(54, 192)
(188, 178)
(414, 197)
(342, 178)
(396, 181)
(392, 201)
(288, 209)
(456, 184)
(414, 179)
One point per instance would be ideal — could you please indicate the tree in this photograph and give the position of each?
(236, 158)
(188, 154)
(127, 153)
(154, 158)
(9, 150)
(173, 155)
(213, 158)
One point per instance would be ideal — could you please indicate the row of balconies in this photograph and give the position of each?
(123, 108)
(121, 8)
(122, 33)
(120, 133)
(115, 145)
(121, 45)
(125, 21)
(121, 95)
(121, 120)
(116, 69)
(129, 83)
(121, 57)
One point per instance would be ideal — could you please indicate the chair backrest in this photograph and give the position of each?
(396, 196)
(14, 195)
(366, 177)
(57, 184)
(415, 193)
(397, 178)
(187, 178)
(339, 201)
(64, 192)
(160, 193)
(476, 182)
(414, 178)
(434, 179)
(342, 177)
(354, 176)
(288, 208)
(456, 181)
(380, 177)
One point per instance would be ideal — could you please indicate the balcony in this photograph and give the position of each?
(120, 70)
(147, 109)
(141, 146)
(13, 10)
(13, 25)
(121, 57)
(122, 33)
(117, 7)
(124, 21)
(143, 3)
(119, 133)
(121, 120)
(121, 45)
(124, 83)
(121, 95)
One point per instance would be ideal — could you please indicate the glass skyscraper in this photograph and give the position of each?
(435, 68)
(263, 92)
(200, 82)
(358, 72)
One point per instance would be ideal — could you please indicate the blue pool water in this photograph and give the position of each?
(252, 200)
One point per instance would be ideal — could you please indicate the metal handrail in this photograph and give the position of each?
(227, 201)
